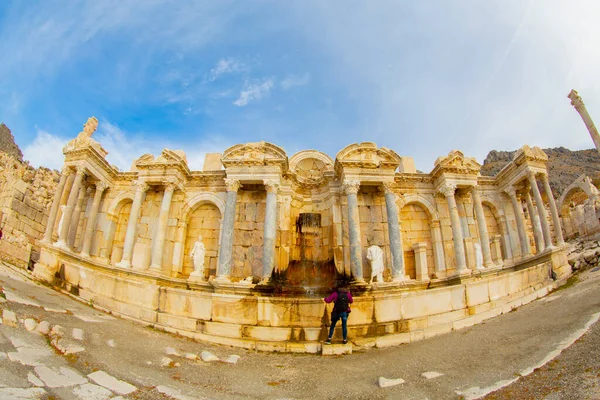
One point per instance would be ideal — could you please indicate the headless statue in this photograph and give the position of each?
(197, 255)
(375, 257)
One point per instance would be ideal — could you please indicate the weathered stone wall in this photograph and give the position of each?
(25, 196)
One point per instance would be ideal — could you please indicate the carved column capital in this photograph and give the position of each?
(233, 185)
(531, 176)
(576, 100)
(544, 178)
(351, 186)
(447, 189)
(66, 170)
(511, 191)
(140, 185)
(388, 187)
(101, 186)
(170, 185)
(81, 170)
(271, 185)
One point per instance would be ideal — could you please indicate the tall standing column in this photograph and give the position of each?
(68, 213)
(91, 224)
(226, 248)
(66, 171)
(161, 231)
(76, 216)
(482, 227)
(535, 222)
(351, 190)
(270, 229)
(518, 210)
(448, 191)
(560, 241)
(541, 209)
(585, 116)
(394, 233)
(136, 208)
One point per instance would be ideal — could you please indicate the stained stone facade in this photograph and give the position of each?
(458, 247)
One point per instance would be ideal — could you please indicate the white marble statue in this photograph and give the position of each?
(478, 256)
(197, 255)
(375, 257)
(62, 218)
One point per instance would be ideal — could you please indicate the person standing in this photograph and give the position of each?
(341, 298)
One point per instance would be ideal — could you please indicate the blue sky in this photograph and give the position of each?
(422, 78)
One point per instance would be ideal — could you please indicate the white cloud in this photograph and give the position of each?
(292, 81)
(46, 150)
(254, 92)
(225, 66)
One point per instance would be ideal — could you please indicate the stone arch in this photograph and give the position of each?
(198, 200)
(496, 216)
(188, 232)
(582, 184)
(416, 227)
(118, 216)
(116, 202)
(422, 200)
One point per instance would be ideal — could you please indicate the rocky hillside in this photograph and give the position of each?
(564, 165)
(7, 143)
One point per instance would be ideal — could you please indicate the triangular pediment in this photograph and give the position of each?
(456, 162)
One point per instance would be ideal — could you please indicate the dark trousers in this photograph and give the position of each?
(334, 319)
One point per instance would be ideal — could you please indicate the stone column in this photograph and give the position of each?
(351, 190)
(560, 241)
(226, 248)
(541, 210)
(91, 224)
(535, 222)
(585, 116)
(394, 233)
(270, 229)
(448, 191)
(66, 171)
(136, 208)
(68, 213)
(161, 230)
(77, 216)
(518, 210)
(438, 249)
(421, 261)
(482, 227)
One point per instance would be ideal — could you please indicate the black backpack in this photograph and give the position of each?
(341, 304)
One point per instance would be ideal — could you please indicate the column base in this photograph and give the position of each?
(222, 279)
(123, 264)
(194, 277)
(463, 272)
(61, 244)
(85, 255)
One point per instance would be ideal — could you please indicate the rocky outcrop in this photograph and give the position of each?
(564, 165)
(7, 143)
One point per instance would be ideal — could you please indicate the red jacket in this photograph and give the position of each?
(333, 297)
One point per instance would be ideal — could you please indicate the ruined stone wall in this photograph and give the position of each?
(248, 233)
(25, 197)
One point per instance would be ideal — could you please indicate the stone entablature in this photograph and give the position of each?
(267, 222)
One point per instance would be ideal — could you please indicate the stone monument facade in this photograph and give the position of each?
(278, 231)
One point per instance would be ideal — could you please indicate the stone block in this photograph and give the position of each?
(267, 333)
(336, 349)
(222, 329)
(212, 162)
(393, 340)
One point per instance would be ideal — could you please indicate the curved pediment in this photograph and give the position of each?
(367, 155)
(254, 154)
